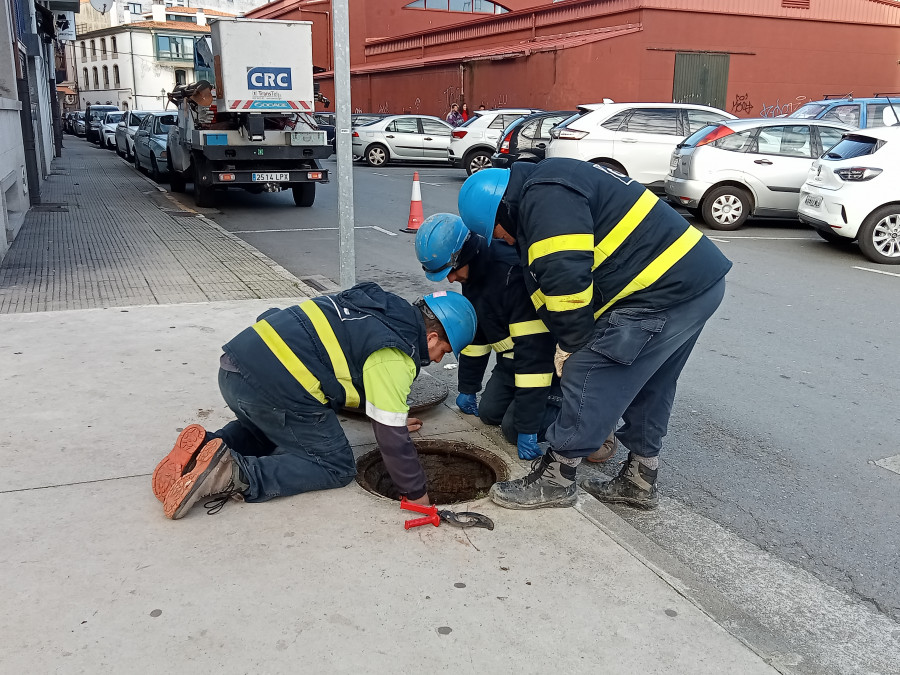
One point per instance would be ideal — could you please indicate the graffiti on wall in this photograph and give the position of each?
(742, 105)
(779, 109)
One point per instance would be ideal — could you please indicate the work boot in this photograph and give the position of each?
(550, 483)
(606, 451)
(214, 475)
(172, 466)
(635, 485)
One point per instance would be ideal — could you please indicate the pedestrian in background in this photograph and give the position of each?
(465, 112)
(454, 119)
(481, 107)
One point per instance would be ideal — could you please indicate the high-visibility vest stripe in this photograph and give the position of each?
(559, 243)
(476, 350)
(503, 345)
(335, 353)
(522, 328)
(289, 360)
(530, 380)
(662, 264)
(563, 303)
(624, 227)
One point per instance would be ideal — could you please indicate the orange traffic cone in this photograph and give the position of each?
(416, 215)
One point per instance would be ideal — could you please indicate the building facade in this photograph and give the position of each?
(751, 57)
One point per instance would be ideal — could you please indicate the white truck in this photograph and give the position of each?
(252, 128)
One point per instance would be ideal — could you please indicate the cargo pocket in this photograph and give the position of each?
(628, 333)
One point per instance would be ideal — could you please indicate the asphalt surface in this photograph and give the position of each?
(788, 402)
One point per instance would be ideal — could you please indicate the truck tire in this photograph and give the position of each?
(304, 194)
(204, 195)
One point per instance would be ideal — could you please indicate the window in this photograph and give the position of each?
(83, 51)
(163, 123)
(404, 125)
(435, 128)
(116, 80)
(471, 6)
(87, 82)
(547, 124)
(184, 18)
(115, 49)
(180, 77)
(653, 121)
(739, 142)
(135, 7)
(103, 48)
(855, 146)
(697, 119)
(530, 129)
(172, 48)
(96, 78)
(829, 136)
(789, 141)
(105, 77)
(808, 111)
(848, 114)
(93, 49)
(614, 122)
(503, 121)
(882, 114)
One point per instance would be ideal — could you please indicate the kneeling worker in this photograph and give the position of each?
(285, 376)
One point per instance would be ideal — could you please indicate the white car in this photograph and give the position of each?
(635, 139)
(125, 130)
(412, 138)
(476, 139)
(728, 172)
(108, 129)
(853, 192)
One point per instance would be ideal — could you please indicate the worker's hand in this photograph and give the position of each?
(559, 359)
(413, 424)
(423, 500)
(528, 446)
(467, 403)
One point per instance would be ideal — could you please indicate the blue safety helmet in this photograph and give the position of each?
(456, 315)
(438, 243)
(479, 198)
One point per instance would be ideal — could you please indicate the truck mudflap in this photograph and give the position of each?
(260, 177)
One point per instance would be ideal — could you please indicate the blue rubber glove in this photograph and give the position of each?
(467, 403)
(528, 446)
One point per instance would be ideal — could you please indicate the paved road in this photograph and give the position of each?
(788, 402)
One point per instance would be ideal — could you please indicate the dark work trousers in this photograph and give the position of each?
(498, 405)
(283, 451)
(629, 369)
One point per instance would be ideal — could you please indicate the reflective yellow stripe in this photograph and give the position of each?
(562, 242)
(624, 227)
(503, 345)
(508, 355)
(289, 360)
(652, 272)
(537, 299)
(476, 350)
(335, 353)
(564, 303)
(534, 380)
(523, 328)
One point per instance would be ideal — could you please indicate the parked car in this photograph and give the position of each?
(78, 123)
(94, 115)
(108, 129)
(476, 139)
(728, 172)
(150, 143)
(526, 139)
(859, 113)
(635, 139)
(413, 138)
(69, 121)
(125, 131)
(853, 192)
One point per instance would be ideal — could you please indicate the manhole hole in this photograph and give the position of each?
(426, 392)
(456, 471)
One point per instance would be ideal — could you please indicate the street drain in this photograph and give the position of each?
(426, 392)
(456, 471)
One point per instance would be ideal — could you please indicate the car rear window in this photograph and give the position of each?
(697, 136)
(808, 112)
(574, 118)
(882, 114)
(854, 146)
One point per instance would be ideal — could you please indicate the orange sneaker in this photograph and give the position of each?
(171, 468)
(211, 475)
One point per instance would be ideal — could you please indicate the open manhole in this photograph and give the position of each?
(426, 392)
(456, 471)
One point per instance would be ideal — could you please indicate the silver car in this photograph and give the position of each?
(108, 129)
(150, 143)
(125, 131)
(411, 138)
(726, 172)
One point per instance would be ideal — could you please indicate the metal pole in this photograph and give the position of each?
(342, 109)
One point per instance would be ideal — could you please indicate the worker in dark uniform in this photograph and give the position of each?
(284, 378)
(521, 395)
(625, 285)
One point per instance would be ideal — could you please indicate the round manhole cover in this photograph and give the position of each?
(426, 392)
(456, 471)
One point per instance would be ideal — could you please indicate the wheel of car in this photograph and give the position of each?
(879, 236)
(304, 194)
(376, 155)
(137, 162)
(477, 160)
(129, 152)
(155, 173)
(204, 195)
(726, 208)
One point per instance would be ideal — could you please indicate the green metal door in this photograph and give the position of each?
(700, 78)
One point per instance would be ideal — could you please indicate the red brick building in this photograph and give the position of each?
(751, 57)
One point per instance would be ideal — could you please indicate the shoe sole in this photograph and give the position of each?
(561, 503)
(184, 488)
(170, 469)
(636, 503)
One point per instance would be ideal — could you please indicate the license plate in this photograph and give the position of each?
(674, 162)
(270, 177)
(813, 201)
